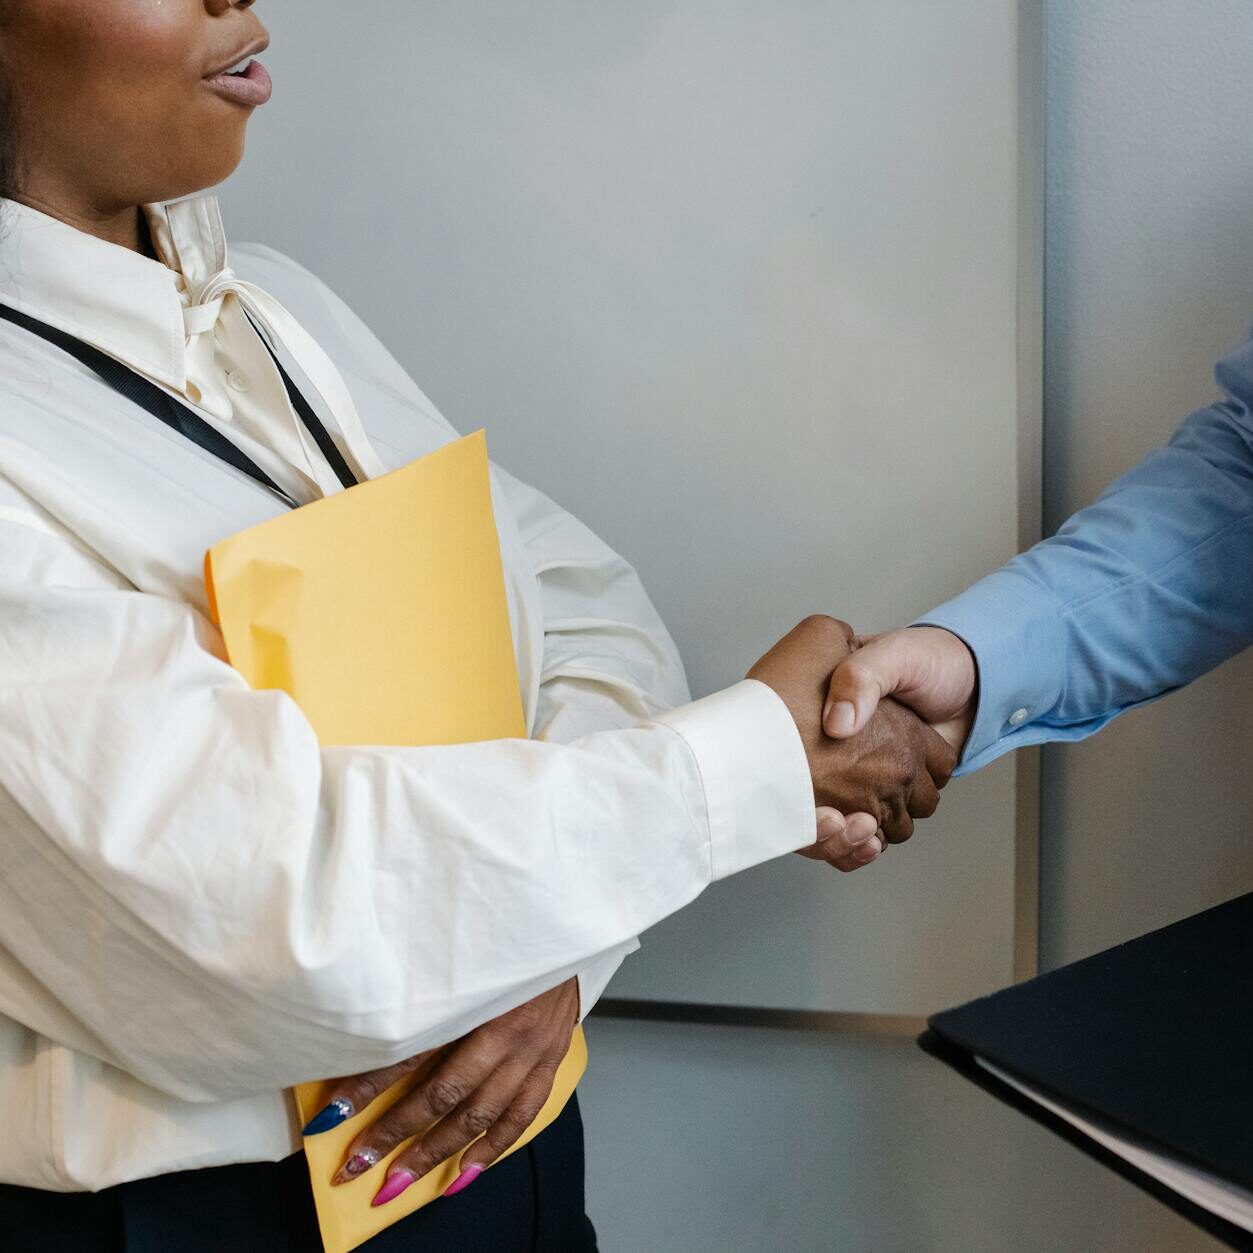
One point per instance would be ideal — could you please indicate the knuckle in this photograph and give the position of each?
(420, 1159)
(529, 1108)
(445, 1093)
(476, 1119)
(406, 1067)
(526, 1018)
(510, 1126)
(925, 806)
(363, 1089)
(855, 671)
(543, 1077)
(389, 1131)
(824, 624)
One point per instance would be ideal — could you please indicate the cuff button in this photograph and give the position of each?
(1018, 717)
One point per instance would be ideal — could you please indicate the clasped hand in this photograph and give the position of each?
(871, 786)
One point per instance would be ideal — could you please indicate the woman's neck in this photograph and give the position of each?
(126, 227)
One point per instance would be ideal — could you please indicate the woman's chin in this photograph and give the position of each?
(204, 174)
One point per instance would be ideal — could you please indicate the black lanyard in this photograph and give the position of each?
(180, 417)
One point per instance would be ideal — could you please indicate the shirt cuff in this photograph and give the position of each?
(758, 791)
(594, 977)
(1014, 629)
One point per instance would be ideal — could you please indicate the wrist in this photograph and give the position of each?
(1012, 628)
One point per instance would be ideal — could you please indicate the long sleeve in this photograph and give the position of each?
(1134, 597)
(608, 660)
(223, 907)
(605, 659)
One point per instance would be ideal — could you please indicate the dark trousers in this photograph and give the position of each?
(532, 1202)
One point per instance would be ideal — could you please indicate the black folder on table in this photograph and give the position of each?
(1142, 1056)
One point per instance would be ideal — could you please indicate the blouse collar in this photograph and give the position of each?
(127, 305)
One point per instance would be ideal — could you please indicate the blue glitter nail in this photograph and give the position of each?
(335, 1113)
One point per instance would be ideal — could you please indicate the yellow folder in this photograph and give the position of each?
(381, 610)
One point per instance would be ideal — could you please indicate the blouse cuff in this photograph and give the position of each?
(758, 791)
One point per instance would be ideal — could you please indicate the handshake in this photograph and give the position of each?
(883, 720)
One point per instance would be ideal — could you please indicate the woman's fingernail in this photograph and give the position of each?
(356, 1165)
(397, 1182)
(868, 851)
(464, 1180)
(330, 1116)
(826, 713)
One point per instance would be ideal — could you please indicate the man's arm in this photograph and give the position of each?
(1136, 596)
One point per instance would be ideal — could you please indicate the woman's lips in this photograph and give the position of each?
(253, 86)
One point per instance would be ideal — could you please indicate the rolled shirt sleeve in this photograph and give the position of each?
(1137, 595)
(195, 891)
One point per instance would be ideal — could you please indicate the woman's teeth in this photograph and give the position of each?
(240, 67)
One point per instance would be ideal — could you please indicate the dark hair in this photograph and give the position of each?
(9, 172)
(8, 141)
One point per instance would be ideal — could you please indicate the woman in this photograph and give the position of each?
(198, 907)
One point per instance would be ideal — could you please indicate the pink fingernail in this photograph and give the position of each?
(397, 1181)
(464, 1180)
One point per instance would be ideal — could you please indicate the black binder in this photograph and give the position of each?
(1152, 1040)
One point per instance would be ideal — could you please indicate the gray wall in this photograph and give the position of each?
(1149, 280)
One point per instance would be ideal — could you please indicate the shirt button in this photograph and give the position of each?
(1018, 717)
(239, 380)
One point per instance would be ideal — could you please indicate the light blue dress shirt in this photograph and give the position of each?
(1135, 596)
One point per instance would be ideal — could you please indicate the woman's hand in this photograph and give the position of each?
(492, 1083)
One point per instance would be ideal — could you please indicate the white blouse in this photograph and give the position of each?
(199, 906)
